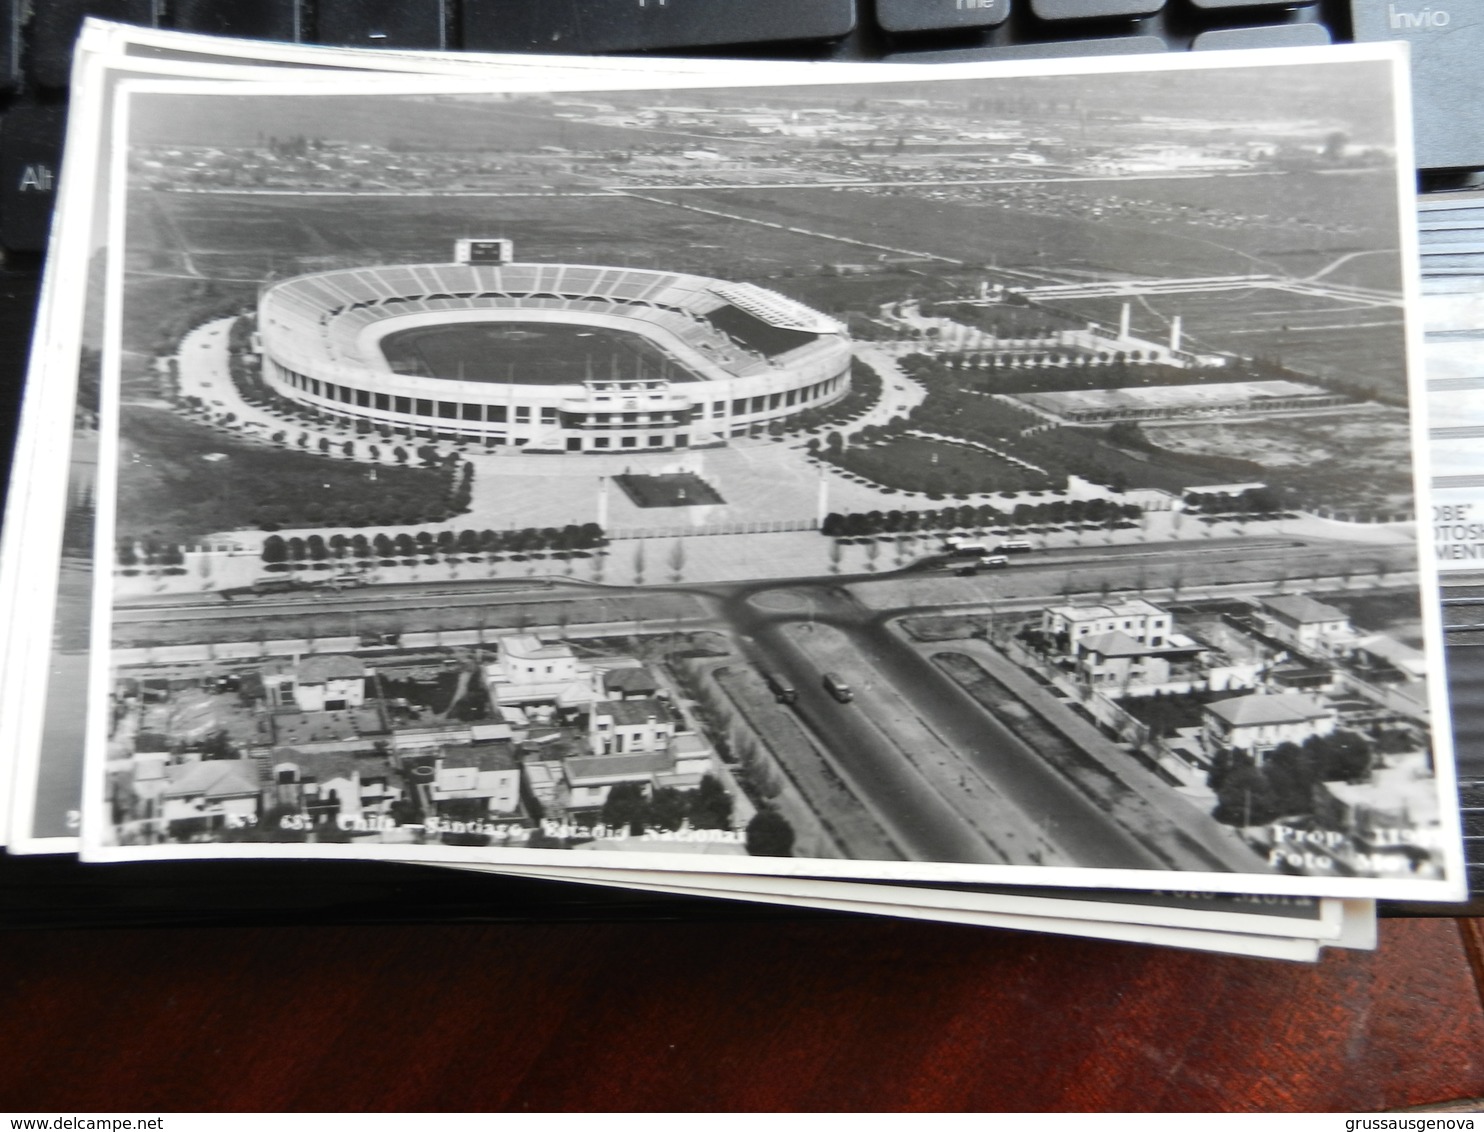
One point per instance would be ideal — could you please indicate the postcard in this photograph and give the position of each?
(936, 478)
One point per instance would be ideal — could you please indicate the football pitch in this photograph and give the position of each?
(527, 353)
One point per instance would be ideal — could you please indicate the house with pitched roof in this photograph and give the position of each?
(1116, 662)
(1308, 626)
(1257, 723)
(213, 789)
(629, 683)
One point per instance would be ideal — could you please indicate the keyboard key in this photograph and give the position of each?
(1255, 5)
(939, 15)
(55, 24)
(400, 24)
(245, 19)
(587, 26)
(30, 156)
(1094, 9)
(1447, 42)
(1272, 35)
(1053, 49)
(10, 43)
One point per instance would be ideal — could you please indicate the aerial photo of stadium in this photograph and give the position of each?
(548, 357)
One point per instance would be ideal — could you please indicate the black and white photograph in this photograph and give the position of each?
(924, 479)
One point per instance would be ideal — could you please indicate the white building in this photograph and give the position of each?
(1309, 626)
(621, 727)
(1141, 620)
(532, 671)
(1258, 723)
(491, 775)
(358, 785)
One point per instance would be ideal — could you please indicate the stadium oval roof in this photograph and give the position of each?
(335, 316)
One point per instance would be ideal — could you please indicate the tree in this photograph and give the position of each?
(1245, 798)
(770, 835)
(626, 807)
(669, 808)
(711, 805)
(1344, 756)
(274, 549)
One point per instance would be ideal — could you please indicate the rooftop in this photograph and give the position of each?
(319, 669)
(629, 680)
(325, 765)
(1133, 607)
(1254, 710)
(1116, 643)
(1303, 609)
(528, 646)
(600, 768)
(633, 712)
(214, 778)
(481, 756)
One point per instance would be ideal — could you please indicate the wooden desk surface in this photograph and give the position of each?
(794, 1015)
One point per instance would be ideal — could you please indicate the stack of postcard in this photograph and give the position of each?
(976, 493)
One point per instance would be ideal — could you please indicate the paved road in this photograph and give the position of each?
(877, 769)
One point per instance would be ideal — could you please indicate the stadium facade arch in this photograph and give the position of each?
(547, 357)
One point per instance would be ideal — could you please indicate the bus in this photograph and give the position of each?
(1014, 546)
(781, 687)
(988, 562)
(968, 548)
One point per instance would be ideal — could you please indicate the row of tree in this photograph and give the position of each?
(969, 516)
(131, 551)
(629, 805)
(317, 548)
(1260, 500)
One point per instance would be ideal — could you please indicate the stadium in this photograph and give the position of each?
(547, 357)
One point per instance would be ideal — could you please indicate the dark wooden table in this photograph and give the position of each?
(794, 1014)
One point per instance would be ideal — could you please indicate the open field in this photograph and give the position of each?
(526, 353)
(1298, 223)
(910, 463)
(1040, 239)
(241, 236)
(179, 481)
(1357, 459)
(1364, 345)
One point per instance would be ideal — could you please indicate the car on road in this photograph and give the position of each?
(838, 688)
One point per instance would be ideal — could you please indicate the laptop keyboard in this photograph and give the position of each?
(36, 45)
